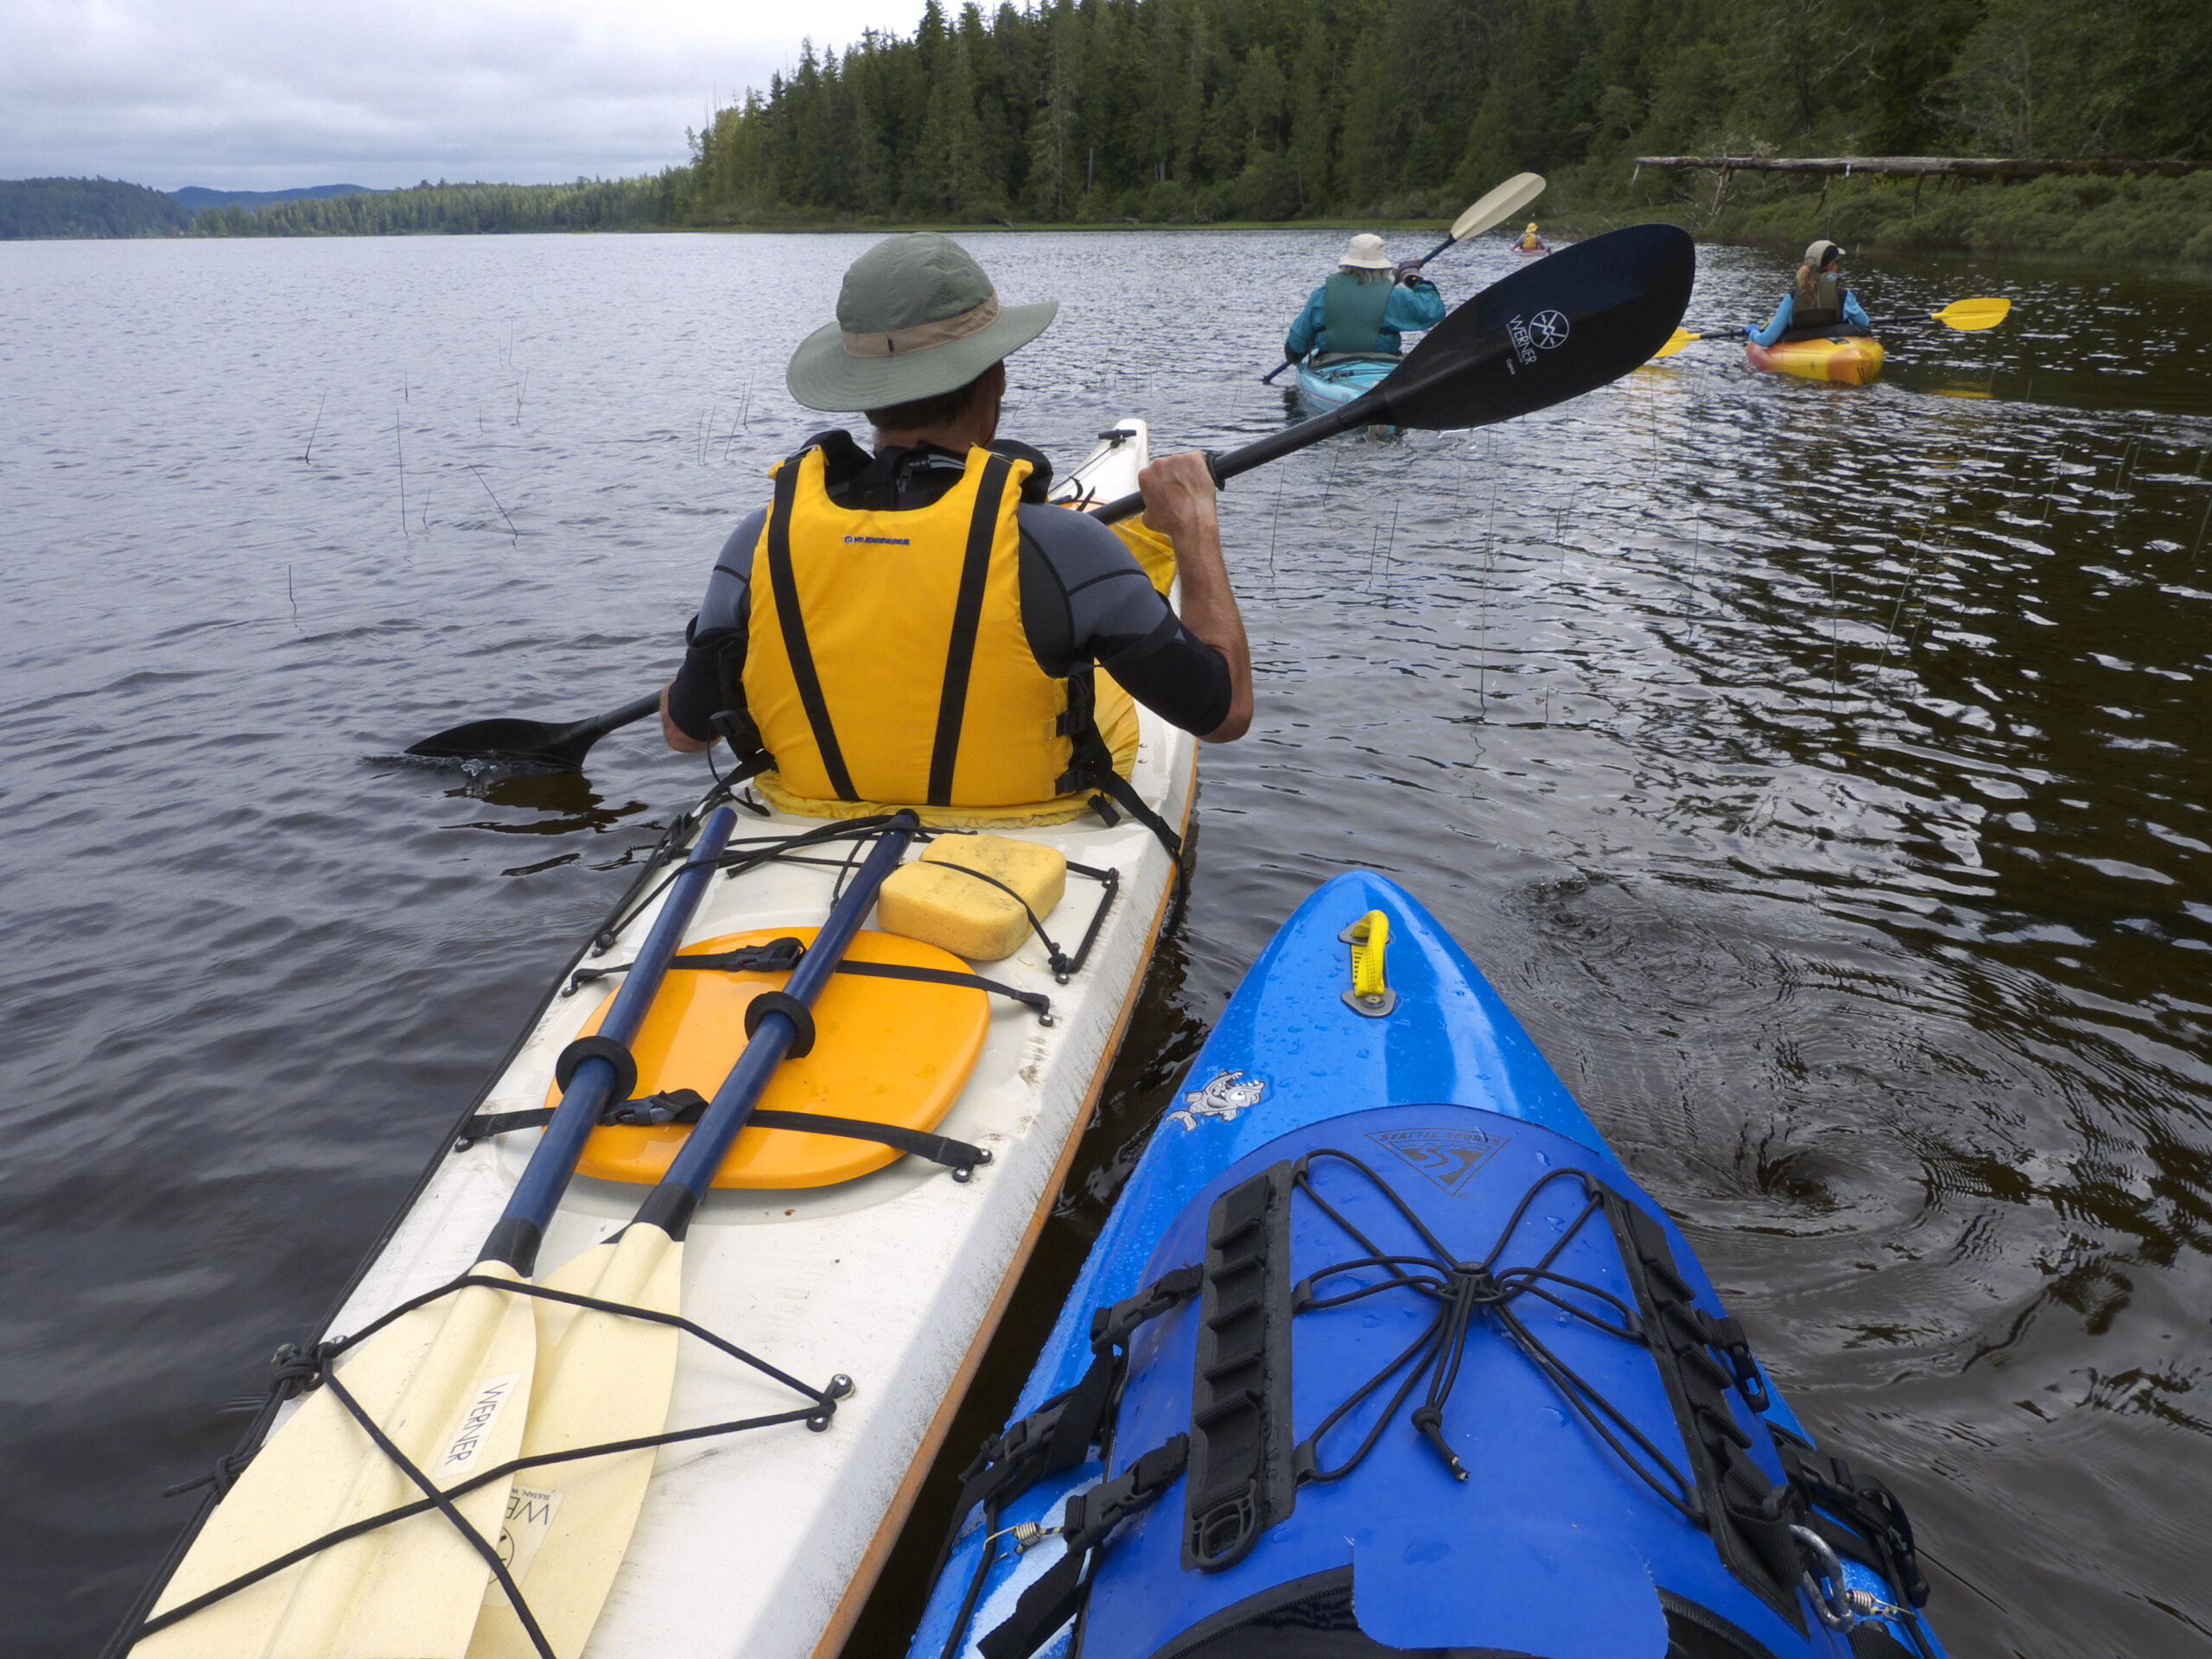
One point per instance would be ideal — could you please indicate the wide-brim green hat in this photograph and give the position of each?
(916, 317)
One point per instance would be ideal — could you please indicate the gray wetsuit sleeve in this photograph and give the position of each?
(1085, 599)
(713, 656)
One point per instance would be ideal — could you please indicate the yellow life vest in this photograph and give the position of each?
(1529, 240)
(886, 663)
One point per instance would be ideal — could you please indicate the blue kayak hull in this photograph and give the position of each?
(1552, 1503)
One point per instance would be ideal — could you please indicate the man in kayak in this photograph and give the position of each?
(1365, 306)
(1530, 242)
(1816, 304)
(912, 626)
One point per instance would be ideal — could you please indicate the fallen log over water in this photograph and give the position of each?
(1971, 166)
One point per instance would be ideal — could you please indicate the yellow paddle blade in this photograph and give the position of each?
(449, 1383)
(1507, 200)
(1675, 341)
(1968, 315)
(601, 1377)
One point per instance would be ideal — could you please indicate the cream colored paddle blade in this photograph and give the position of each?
(1970, 315)
(601, 1377)
(449, 1383)
(1507, 200)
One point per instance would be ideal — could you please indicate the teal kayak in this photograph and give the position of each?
(1326, 380)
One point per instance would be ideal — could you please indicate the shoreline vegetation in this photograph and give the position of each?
(1215, 114)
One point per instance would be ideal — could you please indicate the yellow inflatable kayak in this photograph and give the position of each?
(1847, 362)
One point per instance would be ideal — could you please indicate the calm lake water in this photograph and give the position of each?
(1822, 774)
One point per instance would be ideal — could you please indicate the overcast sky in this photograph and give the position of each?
(265, 94)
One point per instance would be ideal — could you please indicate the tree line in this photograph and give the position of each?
(1104, 111)
(1098, 111)
(455, 209)
(86, 207)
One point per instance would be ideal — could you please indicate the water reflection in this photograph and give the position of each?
(1821, 772)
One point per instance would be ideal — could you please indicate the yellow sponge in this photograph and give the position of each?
(932, 901)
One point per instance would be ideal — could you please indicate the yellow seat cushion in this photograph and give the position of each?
(888, 1051)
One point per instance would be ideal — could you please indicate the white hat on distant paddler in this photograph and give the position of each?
(916, 317)
(1364, 252)
(1821, 252)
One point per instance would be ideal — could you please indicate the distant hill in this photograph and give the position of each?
(74, 207)
(196, 196)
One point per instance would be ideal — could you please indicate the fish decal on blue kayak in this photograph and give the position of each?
(1448, 1157)
(1225, 1095)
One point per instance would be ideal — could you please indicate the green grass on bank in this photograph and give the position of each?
(2117, 220)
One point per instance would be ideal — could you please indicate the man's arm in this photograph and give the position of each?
(1179, 503)
(679, 740)
(695, 694)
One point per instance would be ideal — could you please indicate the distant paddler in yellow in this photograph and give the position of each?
(1530, 242)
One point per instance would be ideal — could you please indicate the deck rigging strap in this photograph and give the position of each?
(685, 1105)
(297, 1372)
(782, 955)
(1238, 1485)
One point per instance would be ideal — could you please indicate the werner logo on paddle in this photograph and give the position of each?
(1541, 332)
(476, 1422)
(530, 1510)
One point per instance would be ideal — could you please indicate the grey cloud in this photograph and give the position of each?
(258, 94)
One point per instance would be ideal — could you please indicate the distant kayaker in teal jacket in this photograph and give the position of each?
(1367, 306)
(1816, 304)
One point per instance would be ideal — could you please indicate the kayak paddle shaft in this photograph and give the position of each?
(669, 1204)
(521, 1228)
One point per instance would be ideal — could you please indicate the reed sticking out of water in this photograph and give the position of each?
(307, 455)
(2200, 523)
(399, 443)
(292, 599)
(513, 534)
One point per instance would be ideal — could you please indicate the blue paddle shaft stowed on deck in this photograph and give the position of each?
(1382, 1347)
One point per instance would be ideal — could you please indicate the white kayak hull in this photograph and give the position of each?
(764, 1543)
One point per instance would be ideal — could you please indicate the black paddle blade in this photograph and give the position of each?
(1578, 320)
(530, 745)
(1582, 319)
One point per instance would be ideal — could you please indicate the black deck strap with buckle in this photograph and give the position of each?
(1061, 1434)
(1702, 1360)
(782, 955)
(1857, 1516)
(686, 1106)
(1085, 1523)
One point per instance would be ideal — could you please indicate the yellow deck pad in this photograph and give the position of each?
(888, 1051)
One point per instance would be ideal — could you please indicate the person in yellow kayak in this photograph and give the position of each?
(1530, 242)
(1817, 305)
(1366, 307)
(910, 625)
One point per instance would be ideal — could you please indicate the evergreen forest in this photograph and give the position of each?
(1099, 111)
(77, 207)
(1208, 112)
